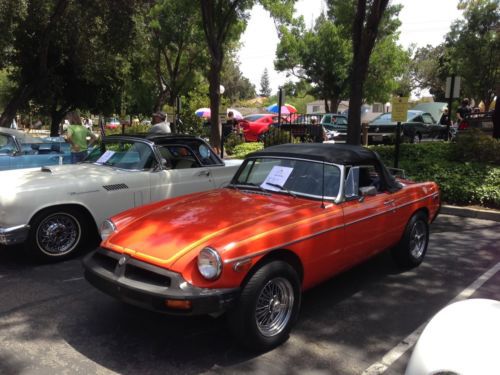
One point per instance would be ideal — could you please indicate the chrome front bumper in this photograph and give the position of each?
(13, 235)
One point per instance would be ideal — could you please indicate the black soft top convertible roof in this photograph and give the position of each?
(326, 152)
(330, 153)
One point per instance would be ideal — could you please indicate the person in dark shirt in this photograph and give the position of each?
(463, 110)
(445, 120)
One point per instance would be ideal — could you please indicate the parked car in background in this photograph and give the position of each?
(20, 150)
(55, 210)
(293, 216)
(253, 126)
(462, 339)
(335, 126)
(418, 125)
(112, 123)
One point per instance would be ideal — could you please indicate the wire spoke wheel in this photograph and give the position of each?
(58, 234)
(274, 306)
(418, 239)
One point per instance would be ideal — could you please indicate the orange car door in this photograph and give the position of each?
(369, 223)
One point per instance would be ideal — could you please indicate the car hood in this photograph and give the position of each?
(58, 176)
(163, 233)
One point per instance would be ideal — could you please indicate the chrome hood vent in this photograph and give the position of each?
(115, 187)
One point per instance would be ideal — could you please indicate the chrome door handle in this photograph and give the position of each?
(389, 202)
(204, 173)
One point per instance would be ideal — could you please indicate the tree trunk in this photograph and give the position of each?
(363, 40)
(214, 93)
(327, 106)
(56, 119)
(496, 120)
(334, 104)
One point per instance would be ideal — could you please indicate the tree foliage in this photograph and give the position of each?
(67, 55)
(265, 86)
(224, 21)
(323, 55)
(473, 48)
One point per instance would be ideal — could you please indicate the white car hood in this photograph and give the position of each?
(36, 179)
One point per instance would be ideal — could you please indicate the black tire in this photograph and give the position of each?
(57, 233)
(410, 251)
(282, 278)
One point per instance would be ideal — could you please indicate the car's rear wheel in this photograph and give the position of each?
(57, 233)
(411, 249)
(268, 306)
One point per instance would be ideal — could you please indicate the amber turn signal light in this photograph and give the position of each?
(178, 304)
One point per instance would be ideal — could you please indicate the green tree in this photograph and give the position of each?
(176, 31)
(473, 47)
(265, 85)
(365, 30)
(224, 21)
(237, 87)
(69, 55)
(323, 56)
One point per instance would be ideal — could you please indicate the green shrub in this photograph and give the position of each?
(474, 145)
(232, 141)
(242, 150)
(461, 183)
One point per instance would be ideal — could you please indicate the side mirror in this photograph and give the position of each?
(368, 191)
(397, 172)
(166, 164)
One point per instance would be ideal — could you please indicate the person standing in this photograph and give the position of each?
(463, 111)
(77, 137)
(160, 125)
(446, 121)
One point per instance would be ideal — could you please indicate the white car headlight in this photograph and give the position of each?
(209, 263)
(107, 228)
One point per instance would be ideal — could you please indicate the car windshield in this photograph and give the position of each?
(386, 117)
(123, 154)
(290, 176)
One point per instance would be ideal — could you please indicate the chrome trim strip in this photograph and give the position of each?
(244, 257)
(393, 209)
(13, 229)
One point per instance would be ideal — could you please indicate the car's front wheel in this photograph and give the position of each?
(268, 306)
(411, 249)
(57, 233)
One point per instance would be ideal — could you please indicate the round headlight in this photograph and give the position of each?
(107, 228)
(209, 263)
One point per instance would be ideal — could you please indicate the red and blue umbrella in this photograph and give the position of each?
(285, 109)
(203, 112)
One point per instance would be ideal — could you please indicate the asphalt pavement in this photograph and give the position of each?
(53, 322)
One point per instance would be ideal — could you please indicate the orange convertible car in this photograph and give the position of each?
(292, 217)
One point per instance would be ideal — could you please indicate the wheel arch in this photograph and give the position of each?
(423, 210)
(82, 209)
(285, 255)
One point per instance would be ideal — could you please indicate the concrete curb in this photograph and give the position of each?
(476, 213)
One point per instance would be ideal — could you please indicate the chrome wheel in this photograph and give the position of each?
(418, 239)
(58, 234)
(274, 306)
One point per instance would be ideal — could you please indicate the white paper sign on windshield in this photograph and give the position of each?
(277, 176)
(105, 157)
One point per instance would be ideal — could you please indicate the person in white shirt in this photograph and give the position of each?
(160, 125)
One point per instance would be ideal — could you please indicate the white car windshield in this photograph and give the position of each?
(292, 176)
(123, 154)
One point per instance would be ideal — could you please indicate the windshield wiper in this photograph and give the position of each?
(282, 188)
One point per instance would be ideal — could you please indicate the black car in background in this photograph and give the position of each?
(419, 125)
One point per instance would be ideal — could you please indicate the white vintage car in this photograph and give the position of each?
(55, 210)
